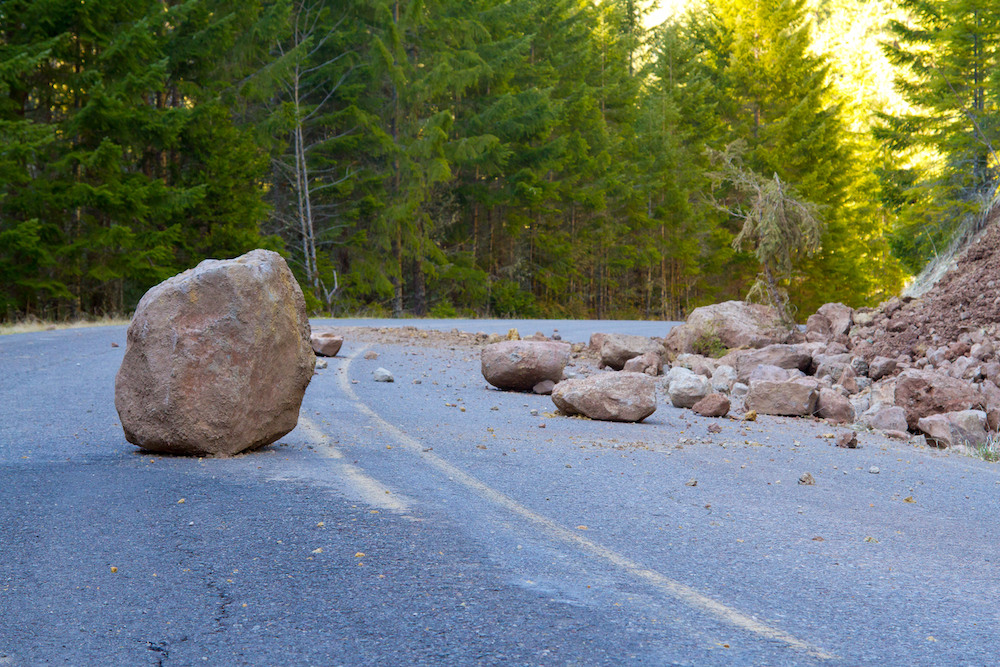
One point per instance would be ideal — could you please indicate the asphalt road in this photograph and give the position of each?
(439, 524)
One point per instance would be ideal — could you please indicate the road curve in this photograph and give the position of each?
(436, 521)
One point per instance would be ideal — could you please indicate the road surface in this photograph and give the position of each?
(436, 521)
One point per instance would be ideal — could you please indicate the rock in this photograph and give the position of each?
(217, 360)
(518, 365)
(782, 398)
(714, 428)
(839, 316)
(784, 356)
(326, 344)
(768, 373)
(807, 480)
(889, 419)
(880, 367)
(619, 348)
(686, 390)
(698, 364)
(371, 355)
(724, 378)
(320, 364)
(732, 324)
(713, 405)
(926, 393)
(848, 440)
(647, 363)
(739, 390)
(873, 470)
(691, 482)
(382, 375)
(948, 429)
(544, 387)
(834, 407)
(624, 397)
(513, 335)
(818, 324)
(597, 340)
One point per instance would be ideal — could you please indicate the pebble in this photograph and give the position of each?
(382, 375)
(873, 470)
(691, 482)
(534, 413)
(808, 480)
(320, 364)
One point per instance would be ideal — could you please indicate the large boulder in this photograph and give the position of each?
(616, 349)
(926, 393)
(948, 429)
(794, 398)
(731, 323)
(621, 397)
(783, 356)
(518, 365)
(218, 359)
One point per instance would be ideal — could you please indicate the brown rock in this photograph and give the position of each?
(619, 348)
(839, 316)
(948, 429)
(807, 479)
(889, 419)
(713, 405)
(848, 440)
(218, 359)
(784, 356)
(544, 387)
(518, 365)
(733, 323)
(880, 367)
(648, 363)
(624, 397)
(926, 393)
(818, 324)
(326, 344)
(833, 407)
(782, 398)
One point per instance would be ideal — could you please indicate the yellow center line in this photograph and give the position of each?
(675, 589)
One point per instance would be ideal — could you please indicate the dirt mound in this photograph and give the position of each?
(964, 303)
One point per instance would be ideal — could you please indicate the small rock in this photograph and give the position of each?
(513, 335)
(383, 375)
(114, 344)
(713, 405)
(417, 382)
(544, 387)
(691, 482)
(807, 479)
(750, 416)
(714, 428)
(534, 413)
(371, 356)
(873, 470)
(848, 440)
(320, 364)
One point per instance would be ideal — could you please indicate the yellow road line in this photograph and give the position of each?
(675, 589)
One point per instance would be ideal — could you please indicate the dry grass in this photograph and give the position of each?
(34, 324)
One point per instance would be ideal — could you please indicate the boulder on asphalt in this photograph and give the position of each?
(839, 316)
(888, 419)
(793, 398)
(926, 393)
(619, 348)
(834, 407)
(218, 359)
(949, 429)
(518, 365)
(623, 397)
(784, 356)
(686, 389)
(713, 405)
(648, 363)
(325, 343)
(731, 323)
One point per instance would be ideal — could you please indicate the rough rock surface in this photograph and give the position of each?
(783, 398)
(623, 397)
(326, 343)
(218, 359)
(735, 323)
(686, 389)
(948, 429)
(834, 407)
(518, 365)
(888, 419)
(713, 405)
(926, 393)
(619, 348)
(649, 363)
(784, 356)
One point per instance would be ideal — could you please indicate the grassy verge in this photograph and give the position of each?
(34, 324)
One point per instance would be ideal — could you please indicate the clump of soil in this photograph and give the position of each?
(965, 303)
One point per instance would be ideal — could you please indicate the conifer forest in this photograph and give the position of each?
(528, 158)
